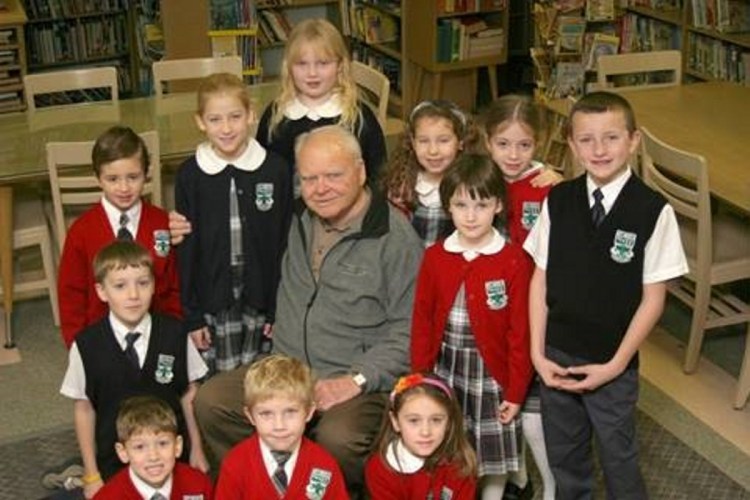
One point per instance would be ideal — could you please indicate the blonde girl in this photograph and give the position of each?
(437, 132)
(470, 319)
(422, 451)
(237, 197)
(317, 89)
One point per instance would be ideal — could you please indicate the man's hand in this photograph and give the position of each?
(179, 227)
(201, 338)
(547, 177)
(332, 391)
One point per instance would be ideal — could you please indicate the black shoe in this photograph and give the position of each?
(514, 492)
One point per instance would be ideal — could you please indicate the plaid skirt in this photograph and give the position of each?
(431, 224)
(498, 446)
(236, 337)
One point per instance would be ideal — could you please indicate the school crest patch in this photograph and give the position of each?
(316, 487)
(164, 369)
(530, 213)
(264, 196)
(161, 242)
(497, 298)
(622, 247)
(446, 493)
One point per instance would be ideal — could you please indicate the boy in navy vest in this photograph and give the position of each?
(129, 352)
(604, 246)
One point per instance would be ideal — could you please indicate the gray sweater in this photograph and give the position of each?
(357, 316)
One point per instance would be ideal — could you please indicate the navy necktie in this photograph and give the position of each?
(124, 233)
(130, 353)
(597, 210)
(279, 476)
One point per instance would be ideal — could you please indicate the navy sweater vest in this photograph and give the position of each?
(595, 275)
(110, 378)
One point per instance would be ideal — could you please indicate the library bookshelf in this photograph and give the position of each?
(12, 57)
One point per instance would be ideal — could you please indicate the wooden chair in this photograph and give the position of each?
(192, 69)
(661, 62)
(375, 89)
(717, 247)
(69, 80)
(29, 231)
(74, 185)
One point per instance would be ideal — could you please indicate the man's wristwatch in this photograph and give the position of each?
(360, 380)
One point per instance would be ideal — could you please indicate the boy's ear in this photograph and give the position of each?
(178, 445)
(101, 293)
(249, 415)
(199, 122)
(310, 412)
(122, 453)
(251, 116)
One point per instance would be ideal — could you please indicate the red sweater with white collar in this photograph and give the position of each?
(497, 291)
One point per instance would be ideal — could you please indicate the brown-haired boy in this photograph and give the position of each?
(120, 160)
(147, 440)
(128, 352)
(604, 246)
(277, 461)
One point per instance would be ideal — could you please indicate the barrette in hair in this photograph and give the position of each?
(408, 381)
(440, 104)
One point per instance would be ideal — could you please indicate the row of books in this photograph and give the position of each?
(390, 67)
(459, 6)
(9, 77)
(372, 25)
(8, 58)
(10, 101)
(715, 59)
(656, 4)
(273, 27)
(231, 14)
(468, 37)
(87, 38)
(726, 16)
(644, 34)
(7, 37)
(59, 9)
(149, 41)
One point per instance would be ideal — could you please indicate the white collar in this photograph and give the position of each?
(250, 159)
(120, 330)
(610, 191)
(428, 191)
(146, 490)
(535, 168)
(329, 109)
(401, 459)
(453, 244)
(270, 462)
(113, 215)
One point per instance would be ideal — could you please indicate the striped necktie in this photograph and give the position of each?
(124, 233)
(279, 476)
(597, 210)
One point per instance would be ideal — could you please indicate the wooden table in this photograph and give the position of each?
(711, 119)
(23, 157)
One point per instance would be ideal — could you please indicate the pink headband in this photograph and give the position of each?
(415, 379)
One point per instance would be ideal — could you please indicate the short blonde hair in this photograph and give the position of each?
(278, 375)
(144, 413)
(121, 254)
(222, 83)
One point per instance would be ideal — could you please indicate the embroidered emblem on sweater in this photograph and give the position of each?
(622, 248)
(264, 196)
(161, 242)
(316, 487)
(164, 369)
(530, 213)
(496, 296)
(446, 493)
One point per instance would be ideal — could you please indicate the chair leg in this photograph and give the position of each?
(697, 327)
(743, 382)
(50, 272)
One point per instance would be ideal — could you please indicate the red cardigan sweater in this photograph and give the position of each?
(501, 329)
(79, 304)
(384, 483)
(243, 476)
(519, 193)
(186, 483)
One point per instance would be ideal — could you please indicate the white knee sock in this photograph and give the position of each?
(534, 435)
(492, 486)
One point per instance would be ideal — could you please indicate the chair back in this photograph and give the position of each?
(660, 68)
(374, 89)
(192, 69)
(85, 80)
(74, 184)
(682, 178)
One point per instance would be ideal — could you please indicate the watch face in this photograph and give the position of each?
(359, 379)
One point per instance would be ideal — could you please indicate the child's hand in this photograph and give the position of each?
(179, 227)
(89, 490)
(201, 338)
(268, 330)
(589, 377)
(550, 372)
(507, 412)
(547, 177)
(198, 459)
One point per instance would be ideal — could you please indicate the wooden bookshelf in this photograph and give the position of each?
(12, 57)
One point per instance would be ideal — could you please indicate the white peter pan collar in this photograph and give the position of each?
(453, 244)
(329, 109)
(402, 460)
(211, 163)
(428, 191)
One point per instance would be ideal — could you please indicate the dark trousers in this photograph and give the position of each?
(569, 419)
(347, 431)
